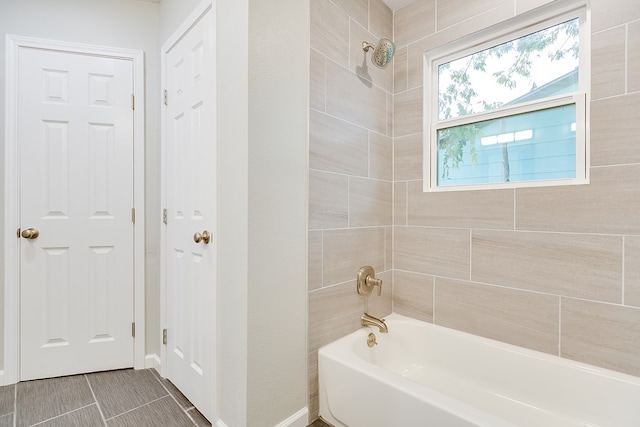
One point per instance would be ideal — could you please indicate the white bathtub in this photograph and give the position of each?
(424, 375)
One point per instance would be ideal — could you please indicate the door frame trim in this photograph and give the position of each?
(12, 194)
(199, 11)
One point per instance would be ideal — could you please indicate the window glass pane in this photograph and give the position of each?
(534, 146)
(532, 67)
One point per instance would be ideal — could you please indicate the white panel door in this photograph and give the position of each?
(75, 136)
(191, 207)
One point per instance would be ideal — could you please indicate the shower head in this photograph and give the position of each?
(382, 53)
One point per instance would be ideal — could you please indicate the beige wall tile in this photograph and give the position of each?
(317, 78)
(413, 295)
(330, 30)
(615, 126)
(358, 102)
(633, 57)
(400, 75)
(388, 262)
(314, 269)
(360, 62)
(370, 202)
(415, 56)
(521, 318)
(328, 200)
(608, 55)
(380, 156)
(453, 12)
(414, 21)
(606, 14)
(601, 334)
(436, 251)
(380, 306)
(632, 270)
(527, 5)
(576, 265)
(390, 114)
(407, 157)
(333, 313)
(345, 251)
(609, 204)
(380, 19)
(356, 9)
(408, 112)
(400, 203)
(337, 146)
(466, 209)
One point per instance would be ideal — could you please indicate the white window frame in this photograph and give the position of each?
(514, 28)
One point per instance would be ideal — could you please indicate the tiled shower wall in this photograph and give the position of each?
(553, 269)
(350, 177)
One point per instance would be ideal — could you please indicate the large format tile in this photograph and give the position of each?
(606, 14)
(314, 269)
(380, 19)
(527, 5)
(328, 200)
(577, 265)
(467, 209)
(121, 391)
(399, 203)
(407, 108)
(381, 156)
(330, 31)
(370, 202)
(345, 251)
(608, 56)
(633, 57)
(88, 416)
(413, 295)
(609, 204)
(436, 251)
(615, 125)
(355, 100)
(407, 157)
(632, 270)
(453, 12)
(173, 390)
(601, 334)
(161, 412)
(337, 146)
(356, 9)
(7, 397)
(521, 318)
(317, 81)
(400, 76)
(312, 385)
(7, 420)
(40, 400)
(414, 21)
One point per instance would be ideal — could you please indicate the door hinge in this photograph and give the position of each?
(133, 102)
(133, 215)
(164, 216)
(165, 97)
(164, 336)
(133, 329)
(18, 233)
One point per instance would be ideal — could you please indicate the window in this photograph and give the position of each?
(509, 110)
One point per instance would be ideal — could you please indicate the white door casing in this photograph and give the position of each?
(73, 147)
(190, 197)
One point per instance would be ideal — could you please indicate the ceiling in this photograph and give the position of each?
(396, 4)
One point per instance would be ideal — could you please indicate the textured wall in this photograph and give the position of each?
(552, 269)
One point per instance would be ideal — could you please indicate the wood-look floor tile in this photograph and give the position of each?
(198, 418)
(7, 420)
(85, 417)
(162, 412)
(40, 400)
(121, 391)
(7, 397)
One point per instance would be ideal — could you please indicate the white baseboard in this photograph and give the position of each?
(152, 361)
(299, 419)
(220, 424)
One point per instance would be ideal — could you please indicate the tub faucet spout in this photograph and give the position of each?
(368, 320)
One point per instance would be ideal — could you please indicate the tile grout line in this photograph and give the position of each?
(66, 413)
(104, 420)
(186, 411)
(137, 407)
